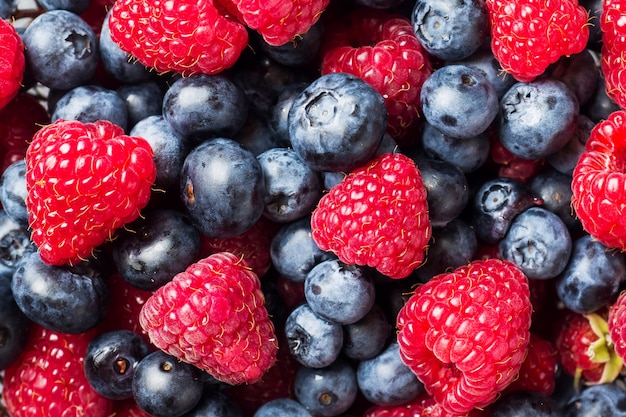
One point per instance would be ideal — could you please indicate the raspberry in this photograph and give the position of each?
(187, 36)
(84, 180)
(527, 36)
(613, 45)
(422, 406)
(48, 379)
(599, 182)
(278, 22)
(213, 316)
(617, 325)
(383, 50)
(465, 333)
(12, 62)
(538, 370)
(377, 216)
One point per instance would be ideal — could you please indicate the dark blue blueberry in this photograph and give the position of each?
(169, 149)
(75, 6)
(565, 159)
(537, 118)
(594, 8)
(451, 246)
(337, 122)
(332, 178)
(222, 187)
(592, 277)
(88, 103)
(294, 252)
(496, 202)
(301, 50)
(450, 29)
(282, 407)
(386, 380)
(459, 101)
(164, 386)
(555, 191)
(61, 49)
(468, 154)
(600, 105)
(205, 106)
(292, 188)
(538, 242)
(118, 63)
(215, 403)
(7, 8)
(278, 119)
(312, 340)
(142, 100)
(15, 242)
(256, 135)
(14, 325)
(156, 247)
(63, 299)
(579, 72)
(327, 391)
(525, 404)
(13, 191)
(110, 362)
(604, 400)
(339, 292)
(367, 337)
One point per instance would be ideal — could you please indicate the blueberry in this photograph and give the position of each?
(292, 188)
(386, 380)
(63, 299)
(205, 106)
(164, 386)
(7, 8)
(110, 362)
(592, 277)
(537, 118)
(594, 8)
(450, 29)
(15, 243)
(554, 190)
(327, 391)
(313, 341)
(337, 122)
(367, 337)
(156, 247)
(14, 325)
(89, 103)
(600, 105)
(222, 187)
(565, 159)
(278, 120)
(459, 101)
(13, 191)
(598, 400)
(256, 135)
(282, 407)
(169, 149)
(61, 49)
(294, 252)
(525, 404)
(538, 242)
(579, 72)
(379, 4)
(215, 403)
(339, 292)
(142, 100)
(301, 50)
(75, 6)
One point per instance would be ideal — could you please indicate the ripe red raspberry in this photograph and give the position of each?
(585, 348)
(529, 35)
(84, 181)
(617, 325)
(187, 36)
(383, 50)
(377, 216)
(538, 370)
(465, 333)
(422, 406)
(213, 316)
(613, 45)
(277, 22)
(12, 62)
(48, 379)
(599, 182)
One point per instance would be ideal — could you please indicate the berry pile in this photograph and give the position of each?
(312, 208)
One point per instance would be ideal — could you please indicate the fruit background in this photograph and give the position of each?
(357, 208)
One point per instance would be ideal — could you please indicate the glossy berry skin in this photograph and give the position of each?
(450, 30)
(554, 189)
(520, 32)
(598, 179)
(367, 337)
(612, 44)
(593, 276)
(15, 326)
(185, 37)
(110, 362)
(15, 243)
(61, 49)
(377, 216)
(565, 159)
(13, 192)
(337, 122)
(464, 362)
(468, 154)
(299, 51)
(71, 217)
(163, 386)
(213, 315)
(459, 101)
(142, 100)
(603, 399)
(13, 62)
(215, 403)
(49, 379)
(282, 407)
